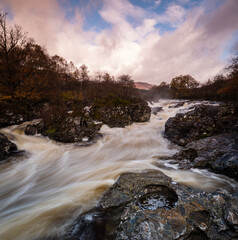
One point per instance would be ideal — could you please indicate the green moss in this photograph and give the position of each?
(51, 130)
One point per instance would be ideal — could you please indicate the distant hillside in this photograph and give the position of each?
(143, 85)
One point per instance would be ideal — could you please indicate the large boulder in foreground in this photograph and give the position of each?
(218, 153)
(203, 121)
(7, 148)
(150, 205)
(121, 115)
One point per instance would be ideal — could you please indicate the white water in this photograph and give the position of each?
(44, 191)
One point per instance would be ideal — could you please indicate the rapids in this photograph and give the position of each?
(43, 191)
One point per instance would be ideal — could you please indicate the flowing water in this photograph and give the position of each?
(45, 189)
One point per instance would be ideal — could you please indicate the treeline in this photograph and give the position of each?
(30, 78)
(186, 87)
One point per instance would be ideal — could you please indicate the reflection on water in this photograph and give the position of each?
(44, 191)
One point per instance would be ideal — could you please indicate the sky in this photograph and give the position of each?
(151, 40)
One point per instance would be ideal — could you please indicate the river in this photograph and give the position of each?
(44, 190)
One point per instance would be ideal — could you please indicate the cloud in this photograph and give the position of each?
(133, 44)
(183, 1)
(157, 2)
(234, 47)
(193, 48)
(174, 15)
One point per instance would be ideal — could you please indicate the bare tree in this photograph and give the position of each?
(20, 58)
(127, 84)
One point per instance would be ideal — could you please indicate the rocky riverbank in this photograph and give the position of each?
(72, 130)
(209, 136)
(86, 126)
(150, 205)
(201, 122)
(218, 153)
(121, 116)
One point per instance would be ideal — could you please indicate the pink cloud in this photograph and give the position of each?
(135, 48)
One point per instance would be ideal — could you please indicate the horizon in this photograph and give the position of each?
(153, 41)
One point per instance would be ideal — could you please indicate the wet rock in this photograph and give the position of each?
(150, 205)
(9, 118)
(7, 148)
(218, 154)
(155, 110)
(69, 131)
(84, 128)
(202, 122)
(31, 129)
(131, 185)
(188, 153)
(227, 164)
(121, 116)
(177, 105)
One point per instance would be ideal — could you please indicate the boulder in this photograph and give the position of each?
(218, 153)
(204, 121)
(150, 205)
(72, 130)
(9, 118)
(31, 129)
(121, 116)
(7, 148)
(155, 110)
(177, 105)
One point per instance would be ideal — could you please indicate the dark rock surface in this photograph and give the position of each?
(121, 116)
(76, 129)
(70, 131)
(31, 129)
(177, 105)
(155, 110)
(149, 206)
(7, 148)
(202, 122)
(9, 118)
(218, 153)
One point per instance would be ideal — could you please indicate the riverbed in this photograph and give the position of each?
(45, 189)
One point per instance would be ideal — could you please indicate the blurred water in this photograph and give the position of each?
(42, 193)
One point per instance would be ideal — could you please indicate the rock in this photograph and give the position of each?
(177, 105)
(9, 118)
(131, 185)
(155, 110)
(31, 129)
(188, 153)
(202, 122)
(150, 205)
(218, 154)
(7, 148)
(121, 116)
(227, 164)
(69, 131)
(76, 129)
